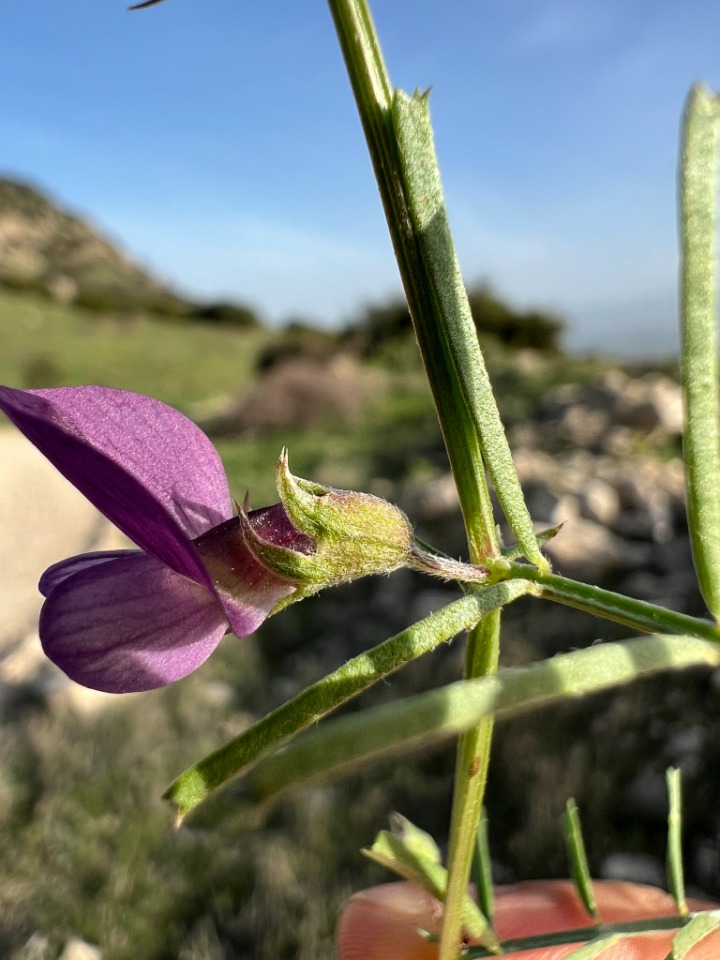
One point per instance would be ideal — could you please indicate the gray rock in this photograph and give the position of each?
(585, 550)
(600, 502)
(652, 404)
(77, 949)
(431, 499)
(646, 793)
(37, 948)
(582, 426)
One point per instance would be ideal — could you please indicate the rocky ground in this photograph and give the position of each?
(601, 459)
(604, 461)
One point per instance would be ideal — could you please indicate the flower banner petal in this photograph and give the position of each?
(148, 468)
(130, 624)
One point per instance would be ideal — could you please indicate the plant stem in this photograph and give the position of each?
(636, 614)
(583, 934)
(399, 139)
(471, 771)
(374, 98)
(424, 194)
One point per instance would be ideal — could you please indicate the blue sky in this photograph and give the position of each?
(218, 143)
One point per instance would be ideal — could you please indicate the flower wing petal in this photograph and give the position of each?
(60, 571)
(130, 624)
(148, 468)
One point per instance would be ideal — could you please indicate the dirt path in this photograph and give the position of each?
(43, 519)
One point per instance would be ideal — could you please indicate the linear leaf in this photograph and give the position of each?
(578, 858)
(674, 858)
(343, 744)
(699, 360)
(194, 785)
(699, 927)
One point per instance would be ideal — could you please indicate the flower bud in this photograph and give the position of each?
(355, 534)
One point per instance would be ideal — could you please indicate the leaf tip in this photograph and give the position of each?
(186, 793)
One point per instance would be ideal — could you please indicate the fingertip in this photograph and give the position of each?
(388, 922)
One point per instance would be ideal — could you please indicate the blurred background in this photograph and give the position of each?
(187, 211)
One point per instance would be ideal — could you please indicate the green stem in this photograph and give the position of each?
(399, 139)
(636, 614)
(423, 189)
(674, 857)
(471, 771)
(577, 856)
(374, 98)
(698, 211)
(581, 934)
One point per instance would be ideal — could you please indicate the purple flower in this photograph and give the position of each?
(134, 620)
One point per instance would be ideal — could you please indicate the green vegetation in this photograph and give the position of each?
(43, 343)
(87, 848)
(496, 322)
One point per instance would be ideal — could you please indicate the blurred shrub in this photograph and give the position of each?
(107, 300)
(299, 341)
(519, 330)
(379, 327)
(41, 370)
(228, 314)
(387, 324)
(170, 306)
(23, 284)
(300, 393)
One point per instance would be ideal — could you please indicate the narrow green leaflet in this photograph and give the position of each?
(578, 858)
(690, 932)
(419, 843)
(413, 855)
(674, 859)
(194, 785)
(343, 744)
(699, 927)
(699, 360)
(636, 614)
(411, 121)
(482, 869)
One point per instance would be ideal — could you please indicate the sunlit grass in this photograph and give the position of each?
(43, 343)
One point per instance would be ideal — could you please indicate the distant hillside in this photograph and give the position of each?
(45, 249)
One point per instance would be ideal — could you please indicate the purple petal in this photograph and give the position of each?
(148, 468)
(60, 571)
(129, 624)
(247, 589)
(273, 525)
